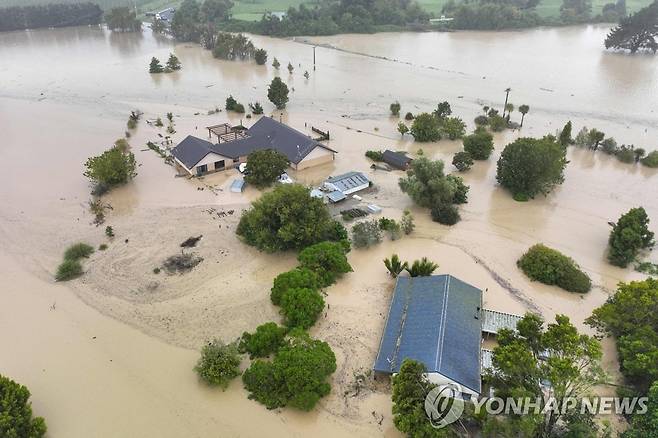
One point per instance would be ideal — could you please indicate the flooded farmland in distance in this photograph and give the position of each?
(112, 352)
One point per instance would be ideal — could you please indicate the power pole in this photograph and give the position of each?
(507, 90)
(313, 58)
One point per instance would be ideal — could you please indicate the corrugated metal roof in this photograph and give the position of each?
(493, 321)
(434, 320)
(349, 181)
(336, 196)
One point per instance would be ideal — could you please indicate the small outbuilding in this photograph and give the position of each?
(348, 183)
(396, 159)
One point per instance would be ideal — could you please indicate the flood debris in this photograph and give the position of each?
(191, 242)
(181, 263)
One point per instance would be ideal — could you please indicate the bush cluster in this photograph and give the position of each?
(551, 267)
(71, 267)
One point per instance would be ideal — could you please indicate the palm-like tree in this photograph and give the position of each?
(422, 268)
(395, 266)
(509, 107)
(523, 109)
(507, 91)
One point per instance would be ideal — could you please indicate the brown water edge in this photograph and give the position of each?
(43, 209)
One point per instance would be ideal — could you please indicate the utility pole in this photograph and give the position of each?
(507, 90)
(314, 58)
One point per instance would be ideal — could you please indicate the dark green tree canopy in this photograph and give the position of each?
(264, 167)
(293, 279)
(479, 145)
(264, 341)
(288, 218)
(113, 167)
(301, 307)
(123, 19)
(16, 420)
(219, 363)
(327, 259)
(629, 236)
(637, 31)
(530, 166)
(554, 268)
(426, 127)
(277, 93)
(427, 184)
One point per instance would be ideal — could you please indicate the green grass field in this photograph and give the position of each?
(254, 9)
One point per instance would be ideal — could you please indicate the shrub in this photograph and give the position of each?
(296, 376)
(288, 218)
(256, 108)
(609, 146)
(453, 127)
(651, 160)
(78, 251)
(366, 233)
(375, 155)
(395, 266)
(497, 123)
(407, 222)
(446, 214)
(628, 236)
(277, 93)
(264, 341)
(155, 66)
(264, 167)
(408, 116)
(260, 56)
(529, 166)
(327, 260)
(156, 271)
(391, 226)
(422, 268)
(239, 108)
(102, 247)
(181, 263)
(109, 232)
(219, 364)
(301, 307)
(481, 120)
(462, 161)
(230, 103)
(68, 270)
(626, 155)
(550, 267)
(479, 145)
(395, 108)
(16, 419)
(294, 279)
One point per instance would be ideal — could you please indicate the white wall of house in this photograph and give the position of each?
(209, 161)
(316, 157)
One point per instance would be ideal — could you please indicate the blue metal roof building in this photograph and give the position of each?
(434, 320)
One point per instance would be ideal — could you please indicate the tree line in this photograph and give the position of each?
(49, 15)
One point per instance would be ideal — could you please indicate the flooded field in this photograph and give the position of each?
(112, 353)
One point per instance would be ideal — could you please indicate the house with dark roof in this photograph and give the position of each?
(396, 159)
(435, 320)
(197, 156)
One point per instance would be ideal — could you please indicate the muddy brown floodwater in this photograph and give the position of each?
(111, 354)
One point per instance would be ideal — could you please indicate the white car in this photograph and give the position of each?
(242, 167)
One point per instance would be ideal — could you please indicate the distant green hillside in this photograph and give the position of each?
(254, 9)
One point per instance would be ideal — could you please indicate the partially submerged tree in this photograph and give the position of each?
(530, 166)
(16, 418)
(260, 56)
(629, 235)
(155, 66)
(366, 233)
(565, 135)
(402, 128)
(219, 363)
(422, 268)
(426, 127)
(453, 127)
(636, 32)
(173, 63)
(442, 110)
(301, 307)
(410, 389)
(122, 19)
(277, 93)
(395, 108)
(327, 260)
(479, 145)
(266, 340)
(395, 266)
(293, 279)
(264, 167)
(288, 218)
(113, 167)
(554, 268)
(523, 109)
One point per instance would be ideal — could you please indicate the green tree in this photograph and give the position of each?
(523, 109)
(16, 419)
(219, 363)
(410, 388)
(395, 266)
(294, 279)
(497, 123)
(296, 377)
(635, 32)
(479, 145)
(264, 167)
(529, 166)
(276, 64)
(301, 307)
(327, 260)
(526, 358)
(446, 214)
(422, 268)
(645, 425)
(631, 317)
(366, 233)
(277, 93)
(442, 110)
(256, 108)
(230, 103)
(425, 127)
(407, 222)
(402, 128)
(651, 160)
(155, 66)
(565, 135)
(266, 340)
(215, 11)
(185, 26)
(260, 56)
(628, 236)
(113, 167)
(428, 186)
(395, 108)
(575, 11)
(595, 138)
(122, 19)
(173, 63)
(453, 127)
(290, 68)
(554, 268)
(288, 218)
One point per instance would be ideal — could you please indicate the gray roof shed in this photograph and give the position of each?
(396, 159)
